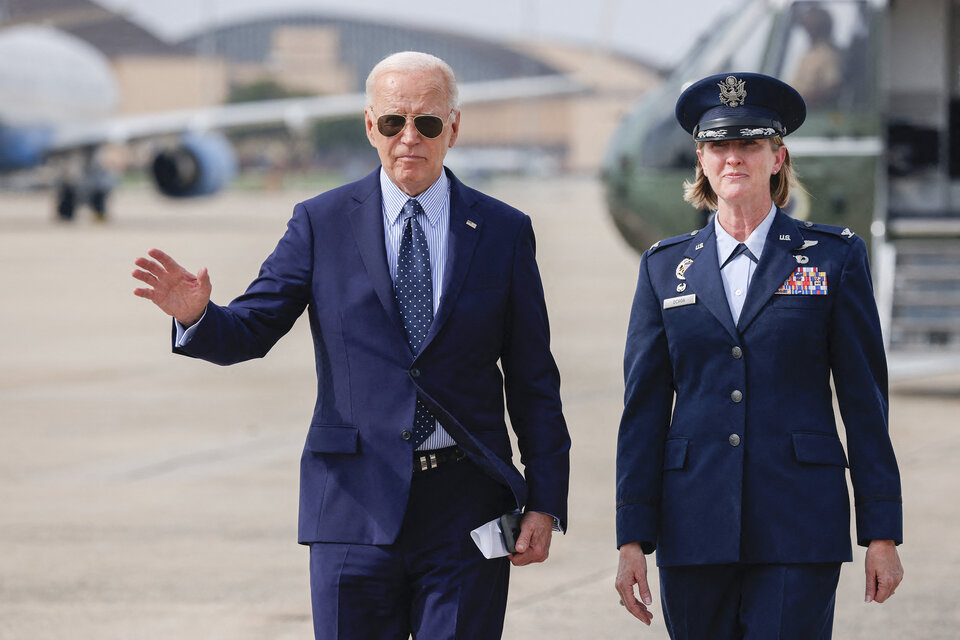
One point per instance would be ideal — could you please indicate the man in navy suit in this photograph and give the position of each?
(729, 462)
(426, 309)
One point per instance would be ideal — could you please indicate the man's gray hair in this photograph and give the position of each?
(415, 61)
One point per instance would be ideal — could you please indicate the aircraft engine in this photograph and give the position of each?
(200, 165)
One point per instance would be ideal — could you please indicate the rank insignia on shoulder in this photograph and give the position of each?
(846, 233)
(654, 245)
(805, 281)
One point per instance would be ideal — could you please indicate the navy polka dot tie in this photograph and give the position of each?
(414, 292)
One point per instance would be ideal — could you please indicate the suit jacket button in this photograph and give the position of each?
(734, 440)
(405, 434)
(415, 372)
(736, 352)
(737, 395)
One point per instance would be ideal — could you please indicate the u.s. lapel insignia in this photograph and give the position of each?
(785, 236)
(471, 224)
(698, 247)
(682, 268)
(681, 287)
(802, 259)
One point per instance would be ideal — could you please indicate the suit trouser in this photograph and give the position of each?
(749, 601)
(432, 582)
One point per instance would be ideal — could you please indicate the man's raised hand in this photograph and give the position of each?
(175, 290)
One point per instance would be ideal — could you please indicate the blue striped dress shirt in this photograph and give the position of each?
(435, 221)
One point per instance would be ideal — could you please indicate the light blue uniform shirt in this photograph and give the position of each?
(738, 273)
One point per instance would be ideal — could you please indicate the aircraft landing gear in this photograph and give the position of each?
(66, 202)
(98, 203)
(92, 191)
(83, 182)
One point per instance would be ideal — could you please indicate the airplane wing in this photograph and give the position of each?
(292, 112)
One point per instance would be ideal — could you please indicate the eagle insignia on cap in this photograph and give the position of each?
(732, 91)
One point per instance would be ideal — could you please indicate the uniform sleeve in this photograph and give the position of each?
(250, 325)
(532, 386)
(648, 398)
(859, 369)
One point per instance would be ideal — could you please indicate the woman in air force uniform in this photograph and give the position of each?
(729, 463)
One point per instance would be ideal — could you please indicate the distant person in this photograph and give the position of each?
(729, 464)
(427, 310)
(819, 72)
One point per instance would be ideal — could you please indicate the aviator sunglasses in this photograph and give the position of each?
(429, 126)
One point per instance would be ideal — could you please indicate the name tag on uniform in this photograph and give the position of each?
(679, 301)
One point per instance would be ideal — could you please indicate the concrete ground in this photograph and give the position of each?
(148, 496)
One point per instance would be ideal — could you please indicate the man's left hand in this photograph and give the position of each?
(533, 545)
(884, 571)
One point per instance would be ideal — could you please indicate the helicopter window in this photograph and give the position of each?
(748, 55)
(667, 146)
(825, 54)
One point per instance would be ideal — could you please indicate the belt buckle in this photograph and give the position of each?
(428, 461)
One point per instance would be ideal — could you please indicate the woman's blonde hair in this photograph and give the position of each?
(701, 195)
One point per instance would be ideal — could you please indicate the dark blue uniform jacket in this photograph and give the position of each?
(729, 448)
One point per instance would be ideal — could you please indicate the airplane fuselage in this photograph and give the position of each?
(48, 79)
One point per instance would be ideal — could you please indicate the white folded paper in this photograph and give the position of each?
(489, 539)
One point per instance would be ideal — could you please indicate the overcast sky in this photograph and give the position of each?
(656, 30)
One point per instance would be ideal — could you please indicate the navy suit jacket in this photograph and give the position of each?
(356, 466)
(728, 447)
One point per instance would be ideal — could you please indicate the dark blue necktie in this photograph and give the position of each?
(740, 248)
(414, 292)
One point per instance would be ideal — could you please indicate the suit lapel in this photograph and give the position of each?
(776, 265)
(465, 227)
(367, 222)
(703, 278)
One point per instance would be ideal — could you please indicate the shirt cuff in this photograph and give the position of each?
(184, 334)
(556, 521)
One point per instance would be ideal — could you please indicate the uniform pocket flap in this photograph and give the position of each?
(675, 454)
(328, 438)
(819, 448)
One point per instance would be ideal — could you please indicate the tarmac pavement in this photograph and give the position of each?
(148, 496)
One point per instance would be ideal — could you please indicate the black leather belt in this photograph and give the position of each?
(427, 460)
